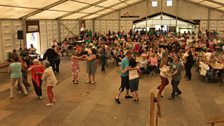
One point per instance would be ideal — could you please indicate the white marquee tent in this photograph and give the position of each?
(75, 9)
(61, 18)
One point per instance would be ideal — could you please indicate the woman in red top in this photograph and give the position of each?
(37, 70)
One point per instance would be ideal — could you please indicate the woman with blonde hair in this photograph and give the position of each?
(163, 74)
(37, 70)
(51, 81)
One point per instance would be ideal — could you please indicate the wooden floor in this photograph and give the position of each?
(93, 105)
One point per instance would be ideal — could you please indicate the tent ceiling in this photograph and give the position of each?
(75, 9)
(69, 6)
(75, 16)
(91, 16)
(215, 4)
(47, 15)
(104, 11)
(89, 1)
(27, 3)
(13, 12)
(109, 3)
(91, 9)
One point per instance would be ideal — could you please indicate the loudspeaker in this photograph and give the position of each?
(19, 34)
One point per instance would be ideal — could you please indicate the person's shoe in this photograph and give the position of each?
(93, 82)
(76, 82)
(54, 101)
(188, 79)
(136, 100)
(128, 97)
(88, 82)
(117, 101)
(40, 97)
(171, 98)
(49, 104)
(11, 97)
(26, 94)
(178, 93)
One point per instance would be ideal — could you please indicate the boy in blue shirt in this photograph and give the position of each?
(124, 78)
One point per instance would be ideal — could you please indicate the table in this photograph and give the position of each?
(139, 59)
(218, 69)
(216, 66)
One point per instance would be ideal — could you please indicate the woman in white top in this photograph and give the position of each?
(133, 78)
(163, 75)
(50, 80)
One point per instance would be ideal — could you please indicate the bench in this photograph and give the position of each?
(212, 122)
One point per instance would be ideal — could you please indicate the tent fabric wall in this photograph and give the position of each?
(89, 24)
(103, 26)
(72, 26)
(8, 38)
(144, 9)
(48, 33)
(43, 36)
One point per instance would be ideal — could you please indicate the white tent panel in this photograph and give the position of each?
(91, 9)
(103, 26)
(76, 27)
(158, 17)
(203, 25)
(220, 1)
(211, 4)
(50, 31)
(89, 25)
(97, 26)
(92, 16)
(109, 3)
(120, 6)
(7, 37)
(55, 30)
(122, 25)
(197, 1)
(115, 26)
(109, 26)
(69, 6)
(43, 35)
(12, 12)
(220, 26)
(28, 3)
(213, 25)
(222, 8)
(70, 25)
(89, 1)
(17, 25)
(48, 15)
(132, 1)
(75, 16)
(105, 11)
(129, 25)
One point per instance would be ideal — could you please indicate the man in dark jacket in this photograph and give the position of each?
(51, 55)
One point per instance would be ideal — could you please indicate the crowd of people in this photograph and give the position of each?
(136, 53)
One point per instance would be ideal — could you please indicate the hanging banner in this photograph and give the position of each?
(32, 26)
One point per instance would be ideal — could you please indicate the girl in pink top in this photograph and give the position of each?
(153, 63)
(75, 67)
(153, 60)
